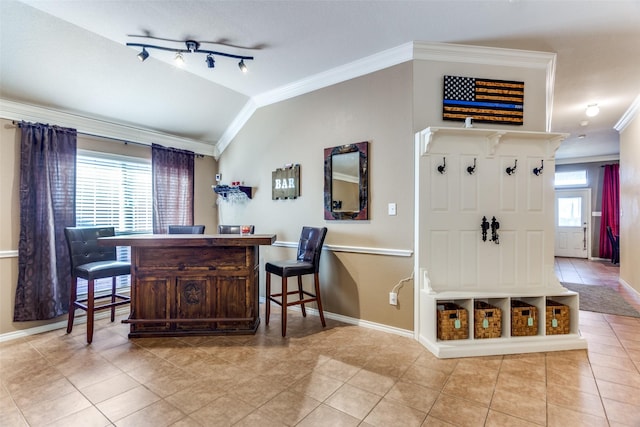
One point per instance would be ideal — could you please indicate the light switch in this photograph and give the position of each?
(392, 208)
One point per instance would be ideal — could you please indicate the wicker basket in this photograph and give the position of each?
(557, 320)
(487, 320)
(453, 323)
(524, 319)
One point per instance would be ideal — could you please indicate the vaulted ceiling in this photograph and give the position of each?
(72, 56)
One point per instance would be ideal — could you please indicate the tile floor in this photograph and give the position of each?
(339, 376)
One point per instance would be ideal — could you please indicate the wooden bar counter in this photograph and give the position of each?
(193, 284)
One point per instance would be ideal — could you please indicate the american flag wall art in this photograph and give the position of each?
(485, 100)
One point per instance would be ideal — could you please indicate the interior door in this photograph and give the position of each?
(572, 223)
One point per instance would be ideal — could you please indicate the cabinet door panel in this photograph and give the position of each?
(156, 303)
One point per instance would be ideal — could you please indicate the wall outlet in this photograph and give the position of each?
(393, 298)
(392, 208)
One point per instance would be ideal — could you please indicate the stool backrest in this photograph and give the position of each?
(232, 229)
(83, 245)
(310, 245)
(186, 229)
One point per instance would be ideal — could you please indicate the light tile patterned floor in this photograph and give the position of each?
(339, 376)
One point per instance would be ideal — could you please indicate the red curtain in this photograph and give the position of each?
(610, 207)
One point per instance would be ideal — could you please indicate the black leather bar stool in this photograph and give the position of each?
(307, 262)
(186, 229)
(90, 262)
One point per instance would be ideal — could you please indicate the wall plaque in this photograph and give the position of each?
(285, 183)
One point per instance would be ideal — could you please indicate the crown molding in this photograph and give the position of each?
(13, 110)
(629, 115)
(443, 52)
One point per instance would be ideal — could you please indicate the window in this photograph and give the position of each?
(571, 179)
(113, 190)
(570, 211)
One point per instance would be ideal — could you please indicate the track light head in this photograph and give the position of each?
(179, 59)
(210, 61)
(243, 67)
(143, 55)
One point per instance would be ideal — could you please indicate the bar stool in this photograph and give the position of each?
(90, 262)
(186, 229)
(307, 262)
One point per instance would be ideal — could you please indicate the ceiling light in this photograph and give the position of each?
(592, 110)
(191, 46)
(582, 136)
(210, 61)
(179, 59)
(143, 55)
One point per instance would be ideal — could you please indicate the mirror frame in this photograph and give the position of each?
(363, 188)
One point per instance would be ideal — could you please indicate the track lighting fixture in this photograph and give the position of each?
(143, 55)
(192, 46)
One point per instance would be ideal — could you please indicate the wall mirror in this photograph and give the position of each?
(346, 177)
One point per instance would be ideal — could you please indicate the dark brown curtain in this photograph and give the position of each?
(610, 208)
(47, 206)
(172, 171)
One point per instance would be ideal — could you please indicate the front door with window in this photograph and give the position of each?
(572, 223)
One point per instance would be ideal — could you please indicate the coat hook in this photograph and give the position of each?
(510, 170)
(472, 169)
(538, 171)
(443, 166)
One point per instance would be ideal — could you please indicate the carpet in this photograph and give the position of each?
(602, 299)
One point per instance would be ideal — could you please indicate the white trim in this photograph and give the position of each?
(18, 111)
(629, 287)
(575, 160)
(9, 254)
(629, 115)
(353, 321)
(58, 325)
(236, 125)
(353, 249)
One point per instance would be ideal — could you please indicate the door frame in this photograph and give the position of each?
(586, 193)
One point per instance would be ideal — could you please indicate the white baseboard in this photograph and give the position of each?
(78, 320)
(124, 310)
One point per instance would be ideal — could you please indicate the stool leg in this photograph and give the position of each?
(72, 302)
(90, 309)
(284, 305)
(301, 295)
(317, 285)
(267, 307)
(113, 298)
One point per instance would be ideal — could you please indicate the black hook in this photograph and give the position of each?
(443, 166)
(495, 225)
(538, 171)
(485, 226)
(472, 169)
(511, 170)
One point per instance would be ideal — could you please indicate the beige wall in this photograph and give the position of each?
(375, 108)
(630, 204)
(204, 206)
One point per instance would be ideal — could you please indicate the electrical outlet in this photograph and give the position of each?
(393, 298)
(392, 208)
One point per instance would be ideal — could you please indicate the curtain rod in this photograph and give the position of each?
(124, 141)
